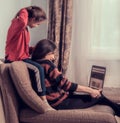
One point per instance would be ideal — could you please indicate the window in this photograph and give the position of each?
(105, 39)
(95, 40)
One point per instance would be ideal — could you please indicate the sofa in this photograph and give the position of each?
(21, 104)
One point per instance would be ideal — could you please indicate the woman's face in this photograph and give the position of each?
(50, 56)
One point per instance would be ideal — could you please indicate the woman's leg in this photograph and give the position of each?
(77, 102)
(85, 101)
(113, 105)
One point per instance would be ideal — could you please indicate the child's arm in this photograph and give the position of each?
(23, 16)
(20, 21)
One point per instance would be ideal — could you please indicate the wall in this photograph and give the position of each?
(41, 31)
(8, 9)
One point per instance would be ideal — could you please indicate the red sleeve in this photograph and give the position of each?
(23, 16)
(20, 22)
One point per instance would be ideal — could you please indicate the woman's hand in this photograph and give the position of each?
(93, 92)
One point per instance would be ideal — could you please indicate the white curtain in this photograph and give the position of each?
(106, 29)
(95, 40)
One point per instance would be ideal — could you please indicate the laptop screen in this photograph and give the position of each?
(97, 77)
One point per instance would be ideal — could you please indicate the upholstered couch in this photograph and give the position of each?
(16, 89)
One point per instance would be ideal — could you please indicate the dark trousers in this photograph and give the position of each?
(41, 75)
(85, 101)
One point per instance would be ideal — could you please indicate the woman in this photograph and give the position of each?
(59, 90)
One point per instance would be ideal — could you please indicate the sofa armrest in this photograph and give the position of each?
(2, 116)
(117, 119)
(1, 62)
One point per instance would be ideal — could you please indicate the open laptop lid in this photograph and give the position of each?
(97, 77)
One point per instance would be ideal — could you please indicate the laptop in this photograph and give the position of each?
(97, 77)
(96, 80)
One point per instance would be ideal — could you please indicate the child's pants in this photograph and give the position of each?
(37, 75)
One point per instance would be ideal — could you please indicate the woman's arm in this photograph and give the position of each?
(56, 78)
(93, 92)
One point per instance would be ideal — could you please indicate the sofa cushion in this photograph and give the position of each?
(101, 108)
(21, 79)
(67, 116)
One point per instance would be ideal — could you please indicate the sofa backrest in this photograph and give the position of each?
(9, 95)
(2, 115)
(21, 79)
(15, 85)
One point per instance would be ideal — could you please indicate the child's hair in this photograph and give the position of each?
(35, 12)
(42, 48)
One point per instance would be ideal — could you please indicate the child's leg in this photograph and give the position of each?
(35, 78)
(39, 77)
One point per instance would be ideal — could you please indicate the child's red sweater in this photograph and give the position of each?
(18, 37)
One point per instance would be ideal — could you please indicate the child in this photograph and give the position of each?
(18, 38)
(59, 89)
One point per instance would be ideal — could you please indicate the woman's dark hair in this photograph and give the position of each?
(42, 48)
(35, 12)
